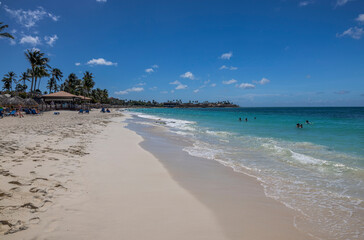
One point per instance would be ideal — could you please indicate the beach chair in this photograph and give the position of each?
(87, 111)
(56, 113)
(27, 111)
(103, 110)
(34, 112)
(12, 113)
(1, 114)
(81, 111)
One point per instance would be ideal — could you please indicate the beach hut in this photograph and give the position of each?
(60, 97)
(30, 103)
(12, 102)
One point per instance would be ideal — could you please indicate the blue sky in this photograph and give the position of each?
(254, 53)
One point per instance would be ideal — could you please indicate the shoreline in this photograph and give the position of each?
(122, 190)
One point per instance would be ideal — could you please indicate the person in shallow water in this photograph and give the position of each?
(246, 119)
(308, 122)
(240, 119)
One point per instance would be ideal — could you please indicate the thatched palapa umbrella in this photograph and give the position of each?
(29, 102)
(12, 102)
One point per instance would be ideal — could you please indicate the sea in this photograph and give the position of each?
(316, 170)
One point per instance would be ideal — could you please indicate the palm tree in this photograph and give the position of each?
(56, 76)
(88, 82)
(72, 84)
(8, 80)
(6, 35)
(36, 59)
(25, 77)
(40, 72)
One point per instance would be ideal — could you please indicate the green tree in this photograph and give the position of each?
(72, 84)
(52, 82)
(8, 81)
(25, 78)
(41, 72)
(88, 83)
(36, 59)
(5, 34)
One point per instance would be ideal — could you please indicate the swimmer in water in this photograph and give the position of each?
(240, 119)
(246, 119)
(307, 122)
(298, 125)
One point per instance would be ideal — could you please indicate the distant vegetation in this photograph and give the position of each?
(27, 84)
(173, 103)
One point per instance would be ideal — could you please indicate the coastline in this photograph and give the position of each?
(122, 190)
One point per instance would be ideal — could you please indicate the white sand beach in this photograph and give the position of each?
(86, 177)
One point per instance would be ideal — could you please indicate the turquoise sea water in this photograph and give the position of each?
(317, 170)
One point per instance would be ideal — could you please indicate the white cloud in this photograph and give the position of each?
(226, 56)
(134, 89)
(155, 66)
(77, 64)
(213, 85)
(305, 3)
(341, 2)
(188, 75)
(153, 88)
(30, 40)
(141, 84)
(196, 90)
(179, 86)
(101, 1)
(246, 86)
(164, 92)
(360, 18)
(29, 18)
(353, 32)
(50, 40)
(149, 70)
(263, 81)
(101, 61)
(228, 68)
(229, 82)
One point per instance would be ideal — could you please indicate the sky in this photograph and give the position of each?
(253, 53)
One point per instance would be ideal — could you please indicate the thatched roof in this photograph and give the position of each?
(60, 94)
(84, 98)
(12, 102)
(29, 102)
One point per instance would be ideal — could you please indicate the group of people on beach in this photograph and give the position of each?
(14, 112)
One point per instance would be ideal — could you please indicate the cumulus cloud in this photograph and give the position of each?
(29, 18)
(179, 86)
(151, 69)
(226, 56)
(196, 90)
(232, 81)
(30, 40)
(263, 81)
(353, 32)
(360, 18)
(50, 40)
(101, 61)
(228, 68)
(134, 89)
(103, 1)
(188, 75)
(246, 86)
(77, 64)
(213, 85)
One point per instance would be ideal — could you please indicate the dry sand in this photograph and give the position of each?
(86, 177)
